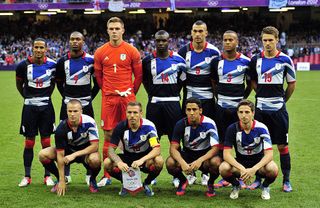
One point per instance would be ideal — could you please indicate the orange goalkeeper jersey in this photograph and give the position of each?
(114, 67)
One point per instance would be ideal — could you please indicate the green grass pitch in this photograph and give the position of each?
(304, 146)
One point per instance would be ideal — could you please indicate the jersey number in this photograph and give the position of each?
(267, 77)
(229, 77)
(39, 83)
(164, 77)
(197, 70)
(76, 79)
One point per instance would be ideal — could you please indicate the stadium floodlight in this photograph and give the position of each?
(54, 10)
(290, 8)
(6, 13)
(62, 11)
(92, 12)
(139, 11)
(284, 9)
(205, 9)
(47, 13)
(29, 12)
(89, 9)
(245, 8)
(230, 10)
(183, 11)
(168, 9)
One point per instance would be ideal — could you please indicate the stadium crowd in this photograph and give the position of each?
(16, 36)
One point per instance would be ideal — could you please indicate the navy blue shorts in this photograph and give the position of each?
(164, 115)
(37, 118)
(277, 123)
(88, 110)
(224, 118)
(248, 163)
(189, 156)
(130, 158)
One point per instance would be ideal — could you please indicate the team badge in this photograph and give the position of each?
(85, 69)
(69, 135)
(239, 68)
(203, 135)
(207, 60)
(239, 138)
(84, 135)
(257, 140)
(174, 67)
(123, 57)
(48, 72)
(143, 137)
(278, 66)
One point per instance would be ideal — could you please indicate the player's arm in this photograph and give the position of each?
(19, 85)
(61, 189)
(145, 74)
(175, 154)
(20, 73)
(290, 89)
(93, 147)
(95, 89)
(212, 152)
(156, 151)
(137, 71)
(228, 157)
(98, 69)
(268, 155)
(60, 76)
(248, 89)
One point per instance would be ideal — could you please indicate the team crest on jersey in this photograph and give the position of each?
(207, 60)
(85, 69)
(203, 135)
(69, 135)
(257, 140)
(84, 135)
(240, 68)
(278, 66)
(174, 67)
(48, 72)
(123, 57)
(143, 137)
(239, 137)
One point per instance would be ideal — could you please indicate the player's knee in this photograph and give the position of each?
(170, 163)
(158, 162)
(47, 154)
(224, 169)
(272, 169)
(107, 135)
(107, 163)
(215, 162)
(94, 161)
(45, 142)
(29, 143)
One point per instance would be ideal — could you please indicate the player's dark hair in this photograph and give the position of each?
(271, 31)
(246, 103)
(194, 100)
(40, 39)
(135, 103)
(74, 101)
(162, 32)
(231, 31)
(200, 22)
(115, 19)
(77, 32)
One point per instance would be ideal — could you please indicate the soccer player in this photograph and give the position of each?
(200, 140)
(114, 64)
(74, 74)
(229, 76)
(198, 55)
(141, 148)
(35, 83)
(253, 148)
(270, 69)
(77, 140)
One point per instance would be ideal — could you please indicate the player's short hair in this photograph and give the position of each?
(77, 32)
(194, 100)
(231, 31)
(162, 32)
(200, 22)
(115, 19)
(246, 103)
(271, 31)
(74, 101)
(40, 39)
(135, 103)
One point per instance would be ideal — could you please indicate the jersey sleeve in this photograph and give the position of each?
(153, 137)
(267, 143)
(117, 134)
(178, 132)
(93, 132)
(145, 73)
(214, 137)
(60, 137)
(230, 136)
(60, 73)
(214, 68)
(291, 73)
(21, 70)
(252, 72)
(98, 67)
(136, 69)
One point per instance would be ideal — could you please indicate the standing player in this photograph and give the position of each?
(163, 73)
(229, 76)
(114, 64)
(77, 140)
(73, 77)
(254, 154)
(199, 137)
(141, 148)
(35, 83)
(198, 55)
(270, 69)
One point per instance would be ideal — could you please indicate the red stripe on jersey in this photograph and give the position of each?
(59, 150)
(96, 140)
(226, 147)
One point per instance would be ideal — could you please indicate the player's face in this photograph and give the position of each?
(245, 114)
(269, 42)
(115, 31)
(39, 49)
(199, 33)
(134, 114)
(230, 42)
(193, 113)
(162, 43)
(74, 112)
(76, 42)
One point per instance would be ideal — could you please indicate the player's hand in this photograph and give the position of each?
(136, 164)
(195, 165)
(123, 166)
(186, 168)
(61, 189)
(247, 175)
(69, 158)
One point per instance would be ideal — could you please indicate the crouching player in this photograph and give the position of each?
(253, 148)
(77, 140)
(200, 140)
(141, 148)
